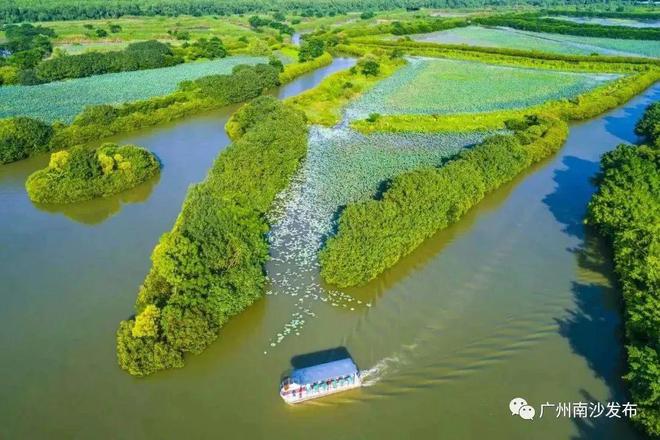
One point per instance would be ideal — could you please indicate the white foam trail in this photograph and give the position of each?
(386, 367)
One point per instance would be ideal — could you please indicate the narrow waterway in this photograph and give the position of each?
(515, 300)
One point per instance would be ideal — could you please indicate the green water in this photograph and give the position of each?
(515, 300)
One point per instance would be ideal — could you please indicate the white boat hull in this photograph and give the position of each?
(312, 395)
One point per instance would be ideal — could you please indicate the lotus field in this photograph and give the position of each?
(557, 43)
(63, 100)
(439, 86)
(610, 21)
(341, 166)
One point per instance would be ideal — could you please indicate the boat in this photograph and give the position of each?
(320, 380)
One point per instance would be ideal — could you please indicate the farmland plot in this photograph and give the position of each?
(439, 86)
(557, 43)
(63, 100)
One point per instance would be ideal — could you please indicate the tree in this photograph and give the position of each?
(311, 48)
(369, 66)
(276, 63)
(21, 137)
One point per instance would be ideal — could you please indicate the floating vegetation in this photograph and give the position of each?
(557, 43)
(341, 166)
(62, 100)
(440, 86)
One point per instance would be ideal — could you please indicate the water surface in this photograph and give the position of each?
(516, 299)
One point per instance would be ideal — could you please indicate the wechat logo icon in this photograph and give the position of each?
(519, 407)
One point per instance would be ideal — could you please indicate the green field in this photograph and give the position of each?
(440, 86)
(63, 100)
(147, 28)
(557, 43)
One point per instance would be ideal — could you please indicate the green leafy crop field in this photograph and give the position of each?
(63, 100)
(557, 43)
(440, 86)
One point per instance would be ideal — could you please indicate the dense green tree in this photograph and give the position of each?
(210, 266)
(369, 66)
(276, 63)
(136, 56)
(626, 209)
(81, 173)
(649, 126)
(311, 48)
(21, 137)
(373, 235)
(535, 23)
(203, 48)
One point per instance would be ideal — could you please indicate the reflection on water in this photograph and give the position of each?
(95, 211)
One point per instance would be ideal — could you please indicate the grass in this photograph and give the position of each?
(63, 100)
(147, 28)
(101, 46)
(439, 86)
(565, 44)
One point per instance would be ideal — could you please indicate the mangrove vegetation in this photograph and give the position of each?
(81, 173)
(626, 210)
(209, 267)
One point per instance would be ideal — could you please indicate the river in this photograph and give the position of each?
(515, 300)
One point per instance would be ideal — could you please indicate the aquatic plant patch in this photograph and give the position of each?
(440, 86)
(62, 100)
(342, 166)
(557, 43)
(374, 234)
(604, 21)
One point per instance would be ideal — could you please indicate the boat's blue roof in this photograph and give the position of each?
(318, 373)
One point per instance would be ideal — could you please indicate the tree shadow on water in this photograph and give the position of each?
(568, 203)
(623, 126)
(594, 331)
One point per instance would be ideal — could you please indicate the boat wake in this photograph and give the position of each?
(382, 368)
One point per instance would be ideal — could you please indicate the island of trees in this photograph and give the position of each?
(82, 173)
(209, 267)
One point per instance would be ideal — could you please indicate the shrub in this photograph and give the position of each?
(311, 48)
(21, 137)
(373, 117)
(82, 174)
(369, 66)
(8, 75)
